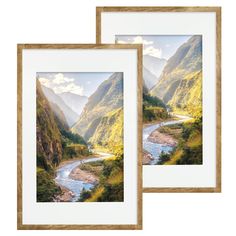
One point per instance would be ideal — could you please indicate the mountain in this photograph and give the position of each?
(49, 146)
(54, 143)
(185, 64)
(149, 79)
(109, 129)
(70, 115)
(152, 70)
(107, 98)
(59, 117)
(74, 101)
(188, 95)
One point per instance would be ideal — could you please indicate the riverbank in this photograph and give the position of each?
(65, 196)
(147, 157)
(66, 162)
(162, 138)
(147, 124)
(72, 178)
(83, 175)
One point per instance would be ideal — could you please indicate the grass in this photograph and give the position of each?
(46, 187)
(189, 149)
(93, 167)
(98, 193)
(176, 156)
(172, 130)
(115, 179)
(194, 141)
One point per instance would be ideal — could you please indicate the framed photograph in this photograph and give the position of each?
(79, 136)
(181, 91)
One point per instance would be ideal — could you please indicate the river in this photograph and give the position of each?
(76, 186)
(155, 149)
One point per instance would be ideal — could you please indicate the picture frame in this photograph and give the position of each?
(144, 25)
(47, 197)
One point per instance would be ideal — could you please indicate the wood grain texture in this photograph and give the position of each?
(19, 136)
(20, 225)
(217, 11)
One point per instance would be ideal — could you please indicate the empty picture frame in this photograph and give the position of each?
(79, 136)
(181, 91)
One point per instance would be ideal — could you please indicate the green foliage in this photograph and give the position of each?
(46, 187)
(149, 100)
(191, 128)
(42, 163)
(192, 143)
(85, 194)
(153, 109)
(154, 114)
(49, 146)
(75, 150)
(71, 137)
(107, 98)
(187, 98)
(189, 149)
(109, 131)
(191, 156)
(173, 83)
(112, 193)
(164, 157)
(54, 142)
(110, 187)
(93, 167)
(174, 130)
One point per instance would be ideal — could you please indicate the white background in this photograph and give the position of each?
(185, 24)
(67, 21)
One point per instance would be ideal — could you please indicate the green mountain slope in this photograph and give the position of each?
(109, 130)
(49, 146)
(107, 98)
(153, 108)
(188, 95)
(54, 143)
(183, 66)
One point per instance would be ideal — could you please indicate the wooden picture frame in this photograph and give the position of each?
(20, 138)
(109, 37)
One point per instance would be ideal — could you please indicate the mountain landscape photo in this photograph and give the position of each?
(172, 98)
(79, 137)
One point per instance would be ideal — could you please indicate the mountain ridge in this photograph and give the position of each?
(152, 68)
(74, 101)
(181, 80)
(107, 97)
(70, 115)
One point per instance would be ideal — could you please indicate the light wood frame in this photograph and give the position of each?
(217, 10)
(20, 225)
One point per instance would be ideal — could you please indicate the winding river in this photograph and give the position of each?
(76, 186)
(155, 149)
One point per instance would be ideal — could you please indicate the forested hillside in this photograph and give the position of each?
(102, 116)
(55, 142)
(180, 82)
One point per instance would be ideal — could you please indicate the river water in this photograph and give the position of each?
(155, 149)
(76, 186)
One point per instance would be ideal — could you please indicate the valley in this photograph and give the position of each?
(71, 132)
(172, 101)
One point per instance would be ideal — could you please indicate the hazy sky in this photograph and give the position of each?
(81, 83)
(161, 46)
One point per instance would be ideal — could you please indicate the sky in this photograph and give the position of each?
(160, 46)
(81, 83)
